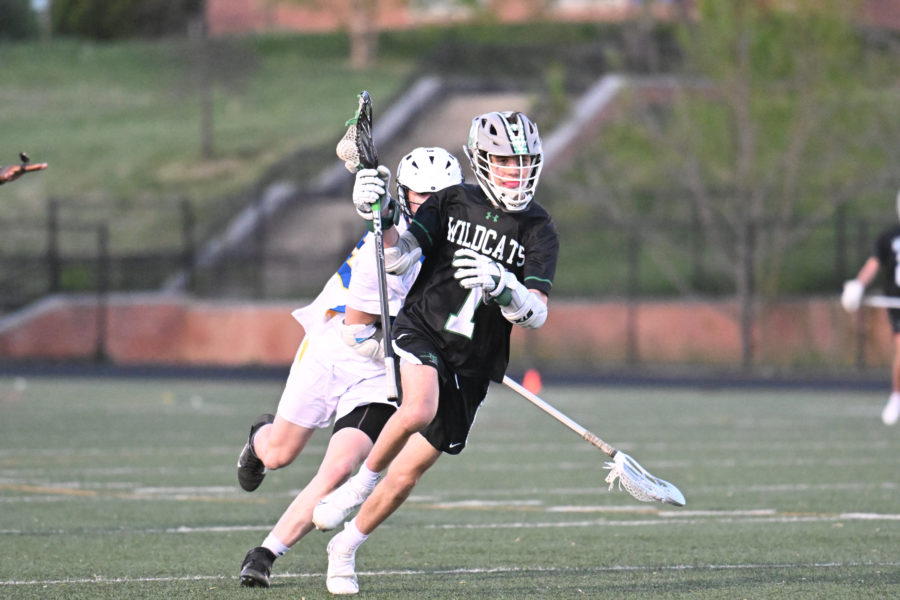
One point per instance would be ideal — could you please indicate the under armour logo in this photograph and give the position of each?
(491, 216)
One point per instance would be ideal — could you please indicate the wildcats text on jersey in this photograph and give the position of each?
(486, 241)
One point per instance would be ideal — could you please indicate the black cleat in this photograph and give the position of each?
(256, 567)
(250, 469)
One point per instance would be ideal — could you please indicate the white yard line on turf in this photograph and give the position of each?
(408, 572)
(660, 517)
(51, 492)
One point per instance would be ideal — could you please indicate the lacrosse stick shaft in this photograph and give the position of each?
(390, 360)
(368, 158)
(882, 301)
(559, 416)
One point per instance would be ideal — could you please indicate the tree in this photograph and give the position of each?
(118, 19)
(215, 64)
(780, 118)
(17, 20)
(359, 18)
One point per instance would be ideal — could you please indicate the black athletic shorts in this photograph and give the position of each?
(894, 318)
(368, 418)
(459, 399)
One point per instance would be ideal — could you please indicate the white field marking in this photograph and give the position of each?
(669, 464)
(870, 517)
(53, 454)
(117, 491)
(761, 512)
(800, 487)
(12, 474)
(151, 531)
(181, 491)
(662, 517)
(736, 442)
(473, 571)
(215, 529)
(565, 446)
(132, 487)
(706, 490)
(662, 512)
(486, 504)
(602, 509)
(776, 519)
(43, 493)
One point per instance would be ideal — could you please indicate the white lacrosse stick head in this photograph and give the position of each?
(638, 482)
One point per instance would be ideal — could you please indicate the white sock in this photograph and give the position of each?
(366, 477)
(352, 536)
(895, 397)
(253, 439)
(274, 545)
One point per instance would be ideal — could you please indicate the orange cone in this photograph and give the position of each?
(532, 381)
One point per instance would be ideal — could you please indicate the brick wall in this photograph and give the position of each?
(244, 16)
(173, 330)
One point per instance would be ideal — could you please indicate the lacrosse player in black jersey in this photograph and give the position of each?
(490, 255)
(886, 255)
(338, 373)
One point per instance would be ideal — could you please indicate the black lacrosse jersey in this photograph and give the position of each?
(471, 335)
(887, 250)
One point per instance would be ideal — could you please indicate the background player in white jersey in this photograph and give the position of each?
(886, 256)
(490, 256)
(339, 367)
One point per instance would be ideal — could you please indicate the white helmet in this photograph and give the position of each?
(507, 134)
(426, 170)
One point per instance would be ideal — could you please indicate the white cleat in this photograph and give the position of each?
(891, 412)
(341, 578)
(333, 509)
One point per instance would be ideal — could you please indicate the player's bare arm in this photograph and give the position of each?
(13, 172)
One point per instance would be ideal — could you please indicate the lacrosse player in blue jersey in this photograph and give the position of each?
(887, 256)
(490, 256)
(339, 368)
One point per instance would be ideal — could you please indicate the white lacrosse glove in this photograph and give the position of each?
(851, 298)
(477, 270)
(372, 185)
(401, 257)
(361, 338)
(518, 305)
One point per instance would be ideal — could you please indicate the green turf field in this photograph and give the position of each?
(125, 488)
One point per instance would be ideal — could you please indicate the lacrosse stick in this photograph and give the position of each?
(15, 171)
(357, 150)
(882, 301)
(636, 480)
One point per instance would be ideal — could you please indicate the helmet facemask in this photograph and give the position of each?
(504, 150)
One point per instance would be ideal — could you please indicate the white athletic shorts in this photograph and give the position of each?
(328, 380)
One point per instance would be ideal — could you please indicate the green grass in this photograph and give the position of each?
(122, 121)
(125, 488)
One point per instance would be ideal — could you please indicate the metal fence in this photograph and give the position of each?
(79, 247)
(75, 249)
